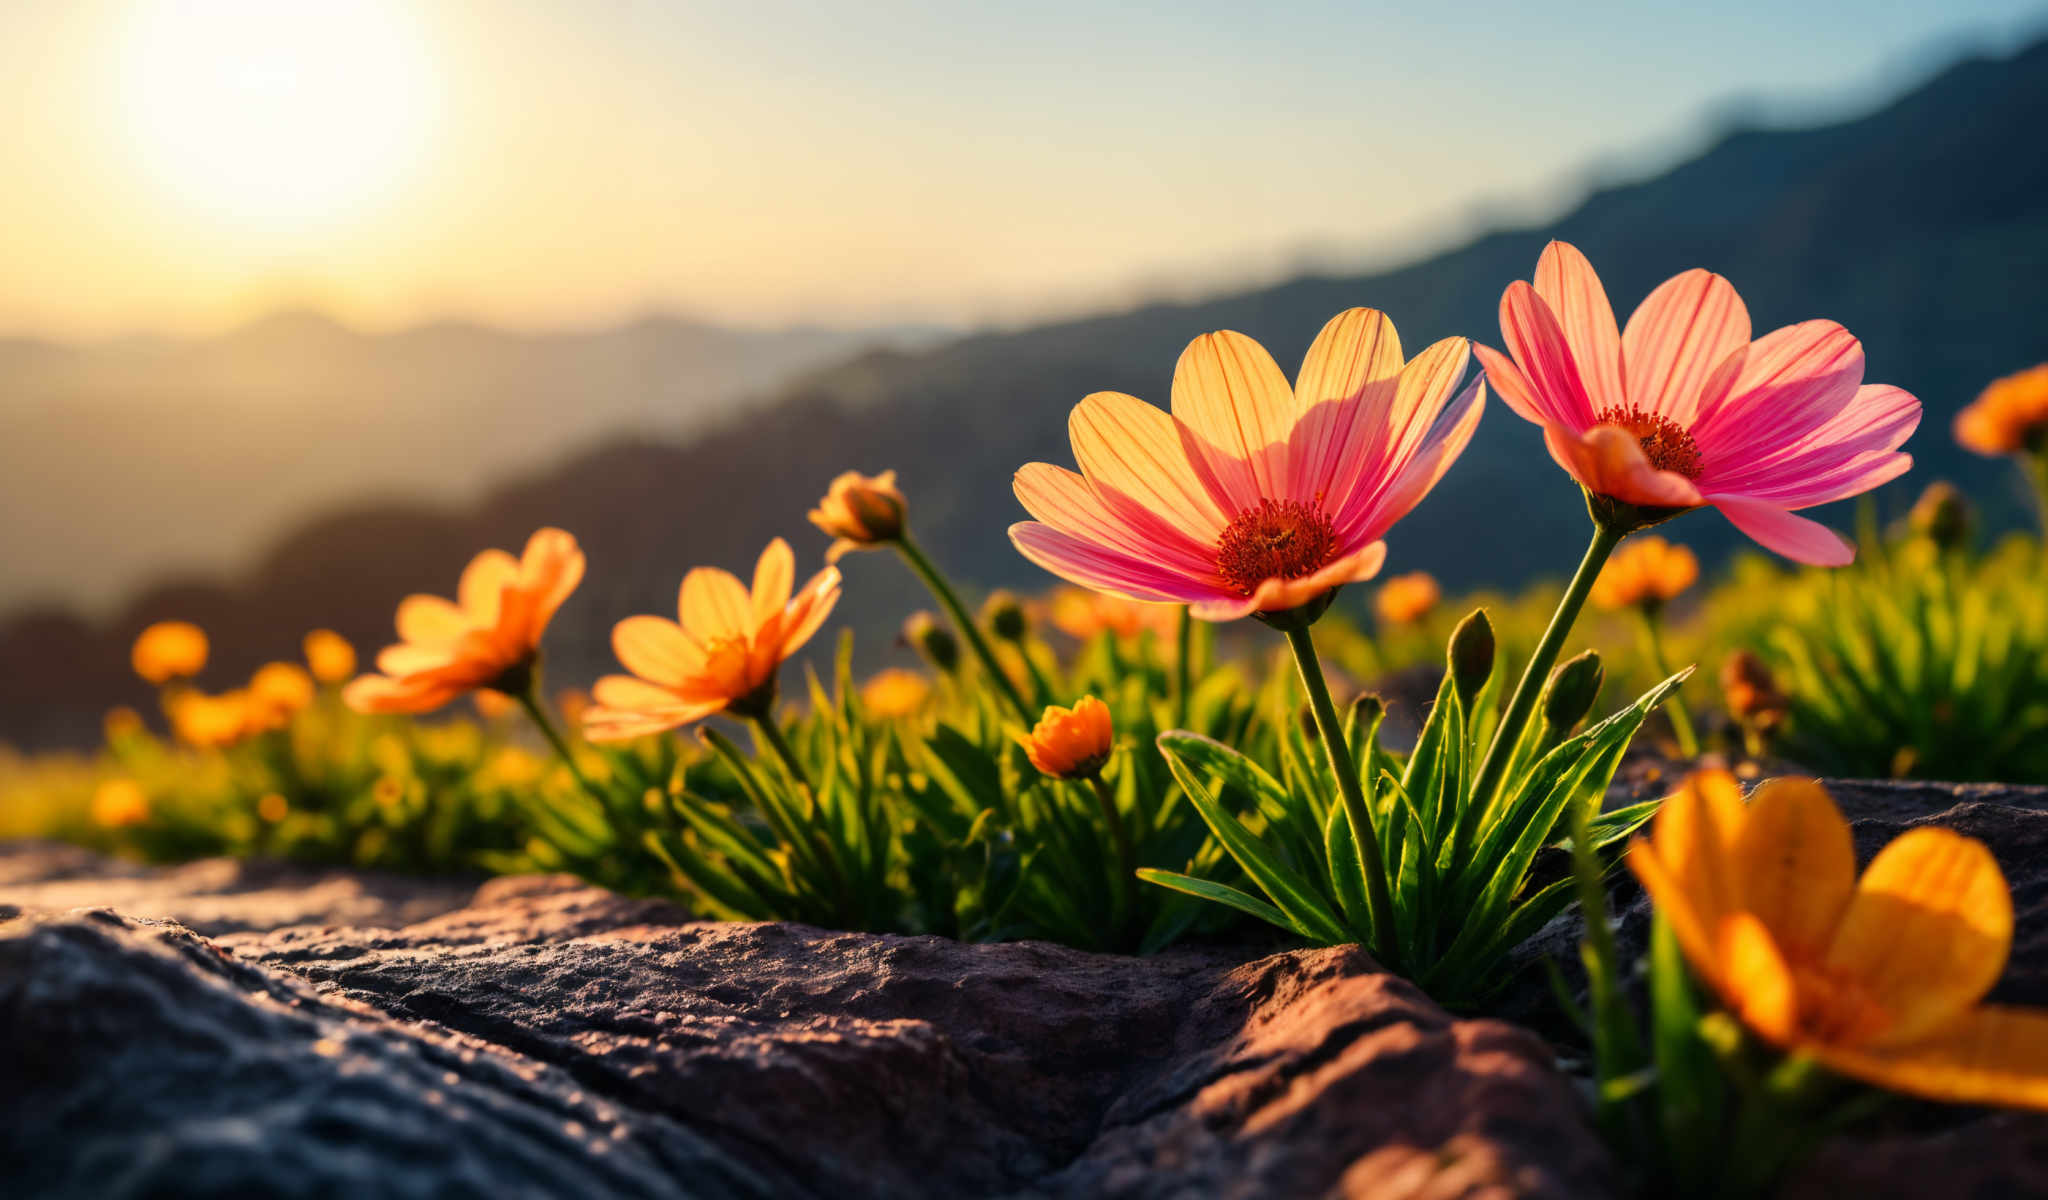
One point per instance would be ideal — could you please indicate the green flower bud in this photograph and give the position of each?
(1471, 655)
(929, 636)
(1004, 614)
(1573, 688)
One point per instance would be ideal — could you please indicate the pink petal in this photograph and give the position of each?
(1675, 339)
(1795, 537)
(1852, 452)
(1132, 455)
(1796, 382)
(1105, 570)
(1609, 461)
(1065, 501)
(1236, 412)
(1568, 284)
(1347, 384)
(1369, 516)
(1378, 446)
(1536, 340)
(1512, 386)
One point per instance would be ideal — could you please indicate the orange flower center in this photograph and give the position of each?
(1668, 446)
(1834, 1008)
(1280, 539)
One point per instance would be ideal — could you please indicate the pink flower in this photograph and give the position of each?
(1681, 409)
(1252, 497)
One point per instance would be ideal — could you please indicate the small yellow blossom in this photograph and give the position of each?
(330, 656)
(169, 650)
(1406, 599)
(860, 511)
(119, 803)
(1070, 743)
(894, 692)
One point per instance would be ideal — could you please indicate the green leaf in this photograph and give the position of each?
(1218, 893)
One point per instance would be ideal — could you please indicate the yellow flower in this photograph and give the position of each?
(1070, 743)
(860, 511)
(1082, 614)
(1880, 979)
(894, 692)
(273, 807)
(330, 656)
(488, 639)
(2010, 416)
(209, 722)
(722, 654)
(119, 803)
(1406, 599)
(169, 650)
(1645, 571)
(279, 689)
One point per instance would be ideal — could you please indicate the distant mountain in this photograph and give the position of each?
(1922, 227)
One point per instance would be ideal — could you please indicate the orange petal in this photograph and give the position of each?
(551, 569)
(1678, 907)
(1989, 1055)
(1755, 980)
(1795, 864)
(657, 650)
(714, 604)
(1133, 456)
(430, 619)
(1927, 931)
(1346, 386)
(773, 575)
(1609, 461)
(377, 694)
(483, 585)
(1695, 838)
(1237, 410)
(808, 611)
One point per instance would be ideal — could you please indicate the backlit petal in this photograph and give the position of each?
(1345, 389)
(1064, 500)
(428, 620)
(1609, 461)
(1568, 284)
(1927, 931)
(1536, 340)
(1797, 538)
(1105, 570)
(714, 604)
(1512, 386)
(1755, 979)
(1991, 1055)
(1676, 338)
(1236, 412)
(808, 611)
(1795, 864)
(774, 575)
(1695, 836)
(1679, 907)
(1793, 381)
(657, 650)
(483, 585)
(1133, 456)
(550, 569)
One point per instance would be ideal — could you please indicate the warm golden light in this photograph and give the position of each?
(275, 120)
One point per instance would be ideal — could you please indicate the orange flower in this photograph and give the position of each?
(1406, 599)
(1879, 979)
(330, 656)
(1070, 743)
(2011, 416)
(860, 511)
(721, 655)
(487, 640)
(492, 706)
(1645, 571)
(209, 722)
(1083, 614)
(169, 650)
(894, 692)
(119, 803)
(278, 690)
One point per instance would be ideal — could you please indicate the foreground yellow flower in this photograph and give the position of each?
(330, 656)
(721, 654)
(860, 511)
(169, 650)
(894, 692)
(1406, 599)
(1646, 571)
(2010, 417)
(1070, 743)
(1880, 979)
(119, 803)
(1083, 615)
(488, 638)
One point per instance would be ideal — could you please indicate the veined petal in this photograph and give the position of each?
(1236, 412)
(1676, 338)
(1795, 864)
(1569, 285)
(774, 575)
(714, 604)
(1371, 515)
(1609, 461)
(1990, 1055)
(1795, 537)
(1378, 449)
(1064, 500)
(1536, 340)
(657, 650)
(428, 620)
(1793, 382)
(1346, 386)
(1512, 386)
(1817, 467)
(483, 585)
(1927, 931)
(1132, 455)
(1755, 979)
(1105, 570)
(807, 612)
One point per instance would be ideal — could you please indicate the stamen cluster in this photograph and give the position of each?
(1667, 445)
(1280, 539)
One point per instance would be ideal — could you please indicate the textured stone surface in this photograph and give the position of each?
(551, 1039)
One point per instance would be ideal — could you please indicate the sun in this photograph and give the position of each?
(275, 117)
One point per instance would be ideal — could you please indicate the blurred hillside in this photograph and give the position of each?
(1922, 227)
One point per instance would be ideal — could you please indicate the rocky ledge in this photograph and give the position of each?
(236, 1029)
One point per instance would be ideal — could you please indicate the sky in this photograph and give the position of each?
(181, 166)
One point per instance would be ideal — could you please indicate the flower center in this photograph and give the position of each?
(1834, 1008)
(1280, 539)
(1668, 446)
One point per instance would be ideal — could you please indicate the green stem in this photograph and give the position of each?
(1126, 855)
(1379, 895)
(1185, 643)
(929, 573)
(765, 726)
(1674, 705)
(531, 703)
(827, 852)
(1512, 722)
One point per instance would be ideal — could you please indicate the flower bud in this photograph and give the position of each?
(1004, 614)
(1366, 709)
(329, 656)
(1573, 688)
(1070, 743)
(1942, 515)
(1471, 655)
(860, 511)
(169, 650)
(929, 636)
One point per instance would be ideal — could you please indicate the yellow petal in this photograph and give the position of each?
(430, 619)
(1795, 864)
(1133, 456)
(1989, 1055)
(1695, 836)
(1345, 388)
(483, 585)
(1755, 980)
(550, 569)
(1677, 906)
(773, 575)
(656, 650)
(808, 611)
(1230, 396)
(1927, 930)
(714, 604)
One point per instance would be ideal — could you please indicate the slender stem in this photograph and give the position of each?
(765, 726)
(828, 852)
(1185, 648)
(531, 703)
(1674, 704)
(1379, 896)
(929, 572)
(1041, 687)
(1523, 703)
(1126, 855)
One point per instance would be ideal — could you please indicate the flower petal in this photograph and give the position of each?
(1236, 412)
(1990, 1055)
(1609, 461)
(1795, 864)
(428, 620)
(1793, 381)
(1536, 340)
(483, 586)
(550, 569)
(1755, 979)
(1927, 931)
(1848, 454)
(1795, 537)
(1513, 386)
(1568, 284)
(1106, 570)
(1346, 386)
(714, 604)
(1687, 870)
(378, 694)
(1060, 498)
(1676, 338)
(774, 574)
(1371, 514)
(807, 613)
(657, 650)
(1133, 456)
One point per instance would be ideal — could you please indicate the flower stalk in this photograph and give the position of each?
(926, 570)
(1650, 626)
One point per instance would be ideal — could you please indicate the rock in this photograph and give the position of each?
(553, 1039)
